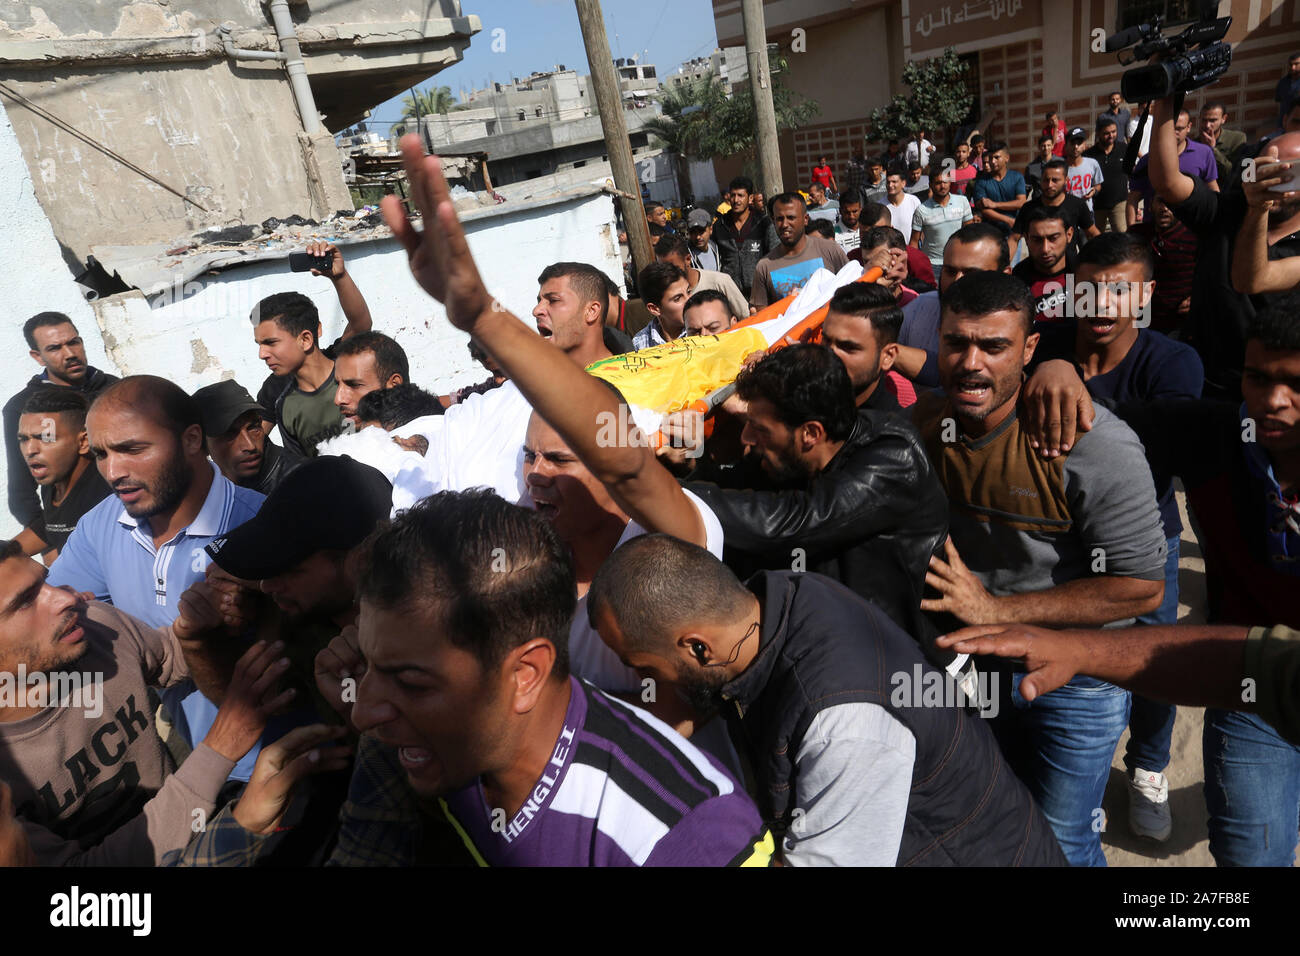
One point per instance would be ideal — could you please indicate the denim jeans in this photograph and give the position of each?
(1151, 724)
(1069, 739)
(1252, 790)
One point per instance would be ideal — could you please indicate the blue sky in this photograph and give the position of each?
(542, 33)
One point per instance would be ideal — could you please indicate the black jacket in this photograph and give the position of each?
(24, 502)
(738, 257)
(871, 520)
(822, 646)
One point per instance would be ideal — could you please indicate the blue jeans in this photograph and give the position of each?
(1151, 723)
(1252, 790)
(1071, 735)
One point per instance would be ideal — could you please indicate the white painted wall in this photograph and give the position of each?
(34, 279)
(205, 336)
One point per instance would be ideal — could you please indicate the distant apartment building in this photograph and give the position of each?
(848, 56)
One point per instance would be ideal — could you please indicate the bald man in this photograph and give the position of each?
(142, 547)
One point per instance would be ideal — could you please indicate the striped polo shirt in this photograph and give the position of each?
(621, 789)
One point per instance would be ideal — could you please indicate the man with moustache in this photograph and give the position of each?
(143, 547)
(787, 267)
(97, 787)
(1076, 540)
(1240, 464)
(57, 347)
(52, 436)
(364, 363)
(237, 440)
(1119, 358)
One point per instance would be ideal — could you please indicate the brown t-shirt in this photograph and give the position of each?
(92, 781)
(781, 273)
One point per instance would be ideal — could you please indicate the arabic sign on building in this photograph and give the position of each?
(935, 25)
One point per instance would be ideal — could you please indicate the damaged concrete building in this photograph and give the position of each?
(131, 132)
(227, 105)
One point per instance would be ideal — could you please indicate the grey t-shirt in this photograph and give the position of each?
(1111, 499)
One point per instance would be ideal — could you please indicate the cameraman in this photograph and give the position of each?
(1219, 313)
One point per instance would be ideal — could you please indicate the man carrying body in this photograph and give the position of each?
(663, 287)
(799, 255)
(708, 313)
(234, 426)
(52, 438)
(57, 347)
(1066, 542)
(861, 328)
(364, 363)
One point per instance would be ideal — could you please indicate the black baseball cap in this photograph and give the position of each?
(220, 405)
(330, 503)
(1077, 133)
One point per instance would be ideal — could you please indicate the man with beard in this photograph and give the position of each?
(479, 746)
(786, 268)
(57, 347)
(1076, 540)
(972, 248)
(846, 224)
(861, 328)
(143, 547)
(236, 438)
(93, 785)
(1219, 313)
(365, 363)
(1073, 211)
(52, 436)
(1120, 359)
(1240, 464)
(744, 235)
(1046, 270)
(849, 768)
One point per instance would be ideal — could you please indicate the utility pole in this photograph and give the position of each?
(604, 82)
(760, 85)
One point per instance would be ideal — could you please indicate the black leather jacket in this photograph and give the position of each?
(870, 519)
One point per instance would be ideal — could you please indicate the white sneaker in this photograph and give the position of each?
(1148, 805)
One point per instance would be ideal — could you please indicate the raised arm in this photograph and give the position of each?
(351, 300)
(1251, 269)
(579, 407)
(1170, 183)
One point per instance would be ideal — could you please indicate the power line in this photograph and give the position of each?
(95, 144)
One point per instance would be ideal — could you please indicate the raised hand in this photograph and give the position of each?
(338, 661)
(439, 255)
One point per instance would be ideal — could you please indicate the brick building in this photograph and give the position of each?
(848, 56)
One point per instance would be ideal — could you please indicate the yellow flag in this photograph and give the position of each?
(669, 377)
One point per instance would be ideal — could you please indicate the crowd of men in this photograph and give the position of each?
(895, 605)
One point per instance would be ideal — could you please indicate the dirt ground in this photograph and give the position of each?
(1188, 845)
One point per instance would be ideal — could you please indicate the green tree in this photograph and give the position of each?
(939, 100)
(701, 121)
(427, 102)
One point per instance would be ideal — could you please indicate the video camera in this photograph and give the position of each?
(1181, 68)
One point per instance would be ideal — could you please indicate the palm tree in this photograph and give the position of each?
(421, 103)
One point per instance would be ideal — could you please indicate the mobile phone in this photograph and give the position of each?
(304, 262)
